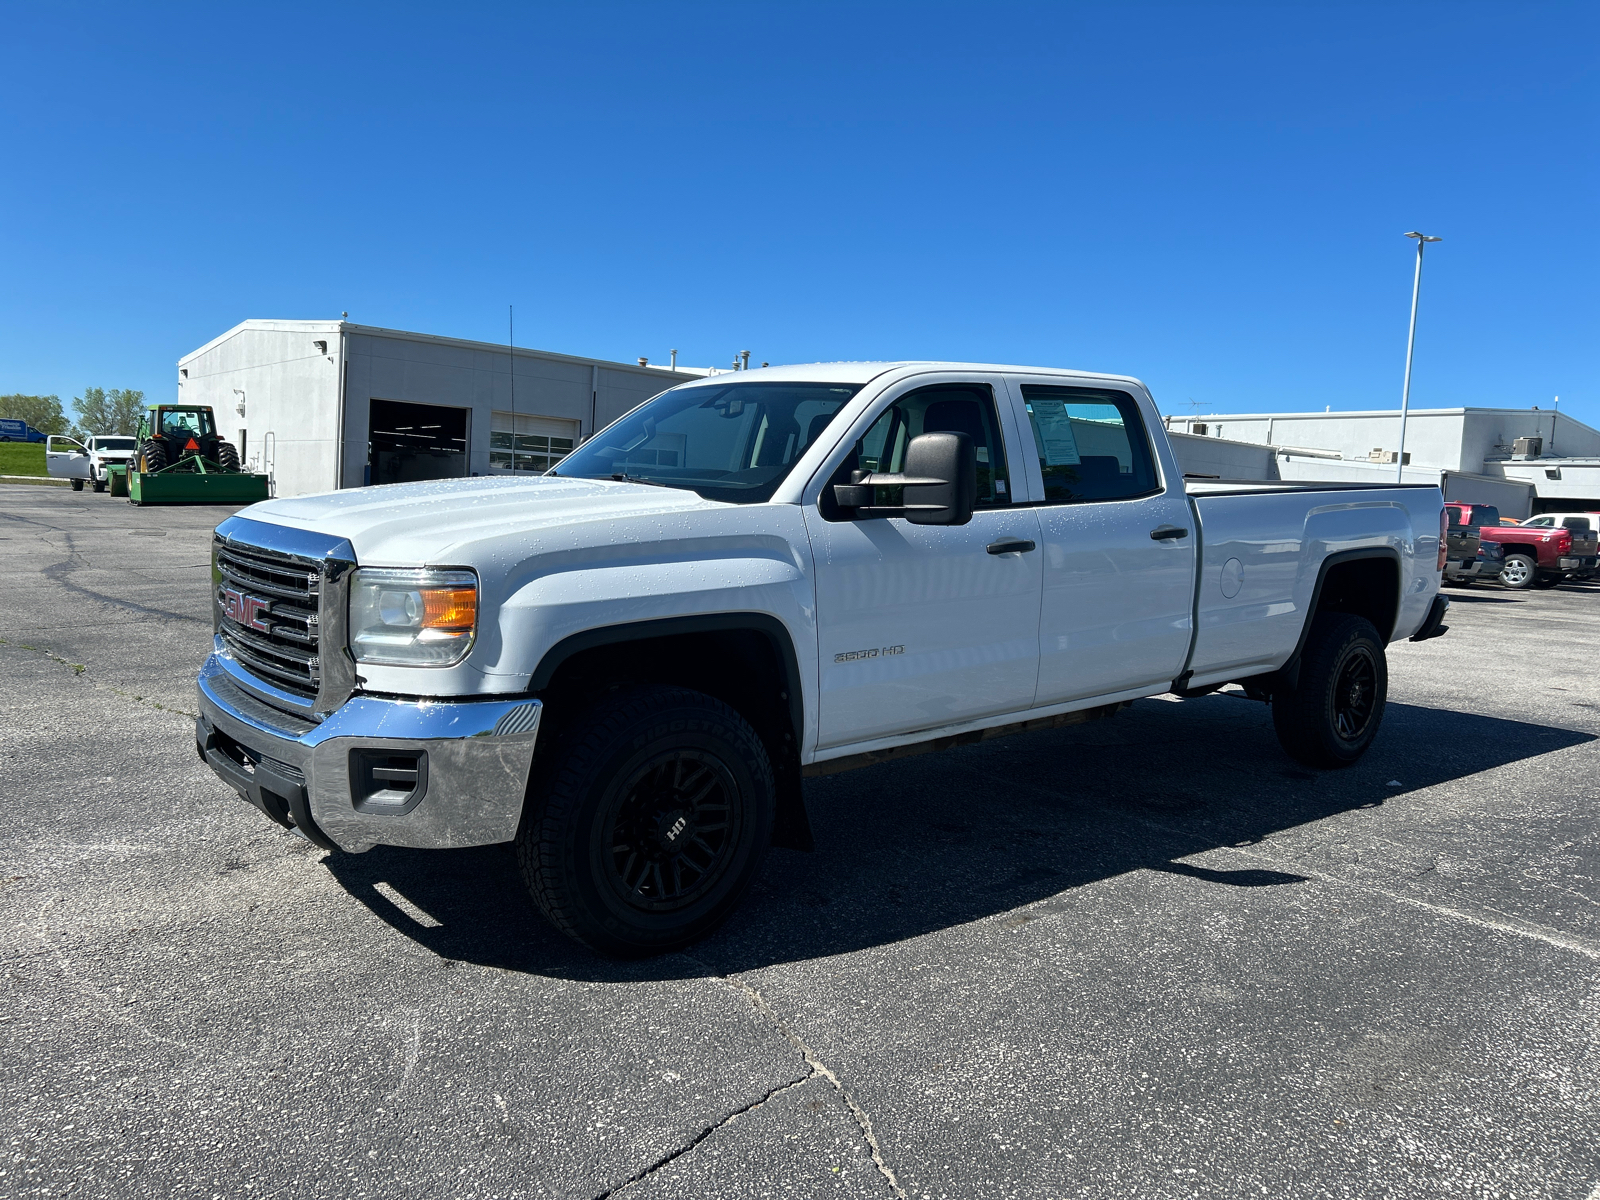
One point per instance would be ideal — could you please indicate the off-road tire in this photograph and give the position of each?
(1325, 721)
(152, 457)
(77, 484)
(634, 762)
(227, 456)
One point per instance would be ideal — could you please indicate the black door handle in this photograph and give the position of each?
(1168, 533)
(1009, 546)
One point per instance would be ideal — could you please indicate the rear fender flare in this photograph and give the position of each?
(1288, 675)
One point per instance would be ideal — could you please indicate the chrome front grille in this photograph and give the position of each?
(270, 605)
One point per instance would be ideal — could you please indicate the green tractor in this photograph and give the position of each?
(182, 459)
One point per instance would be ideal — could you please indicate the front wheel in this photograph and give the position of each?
(1333, 714)
(1519, 572)
(645, 831)
(77, 485)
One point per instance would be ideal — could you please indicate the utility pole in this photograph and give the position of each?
(1411, 345)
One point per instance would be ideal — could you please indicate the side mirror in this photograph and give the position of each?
(940, 483)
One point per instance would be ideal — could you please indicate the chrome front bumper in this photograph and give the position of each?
(474, 758)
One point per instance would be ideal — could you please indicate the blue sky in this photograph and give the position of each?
(1208, 196)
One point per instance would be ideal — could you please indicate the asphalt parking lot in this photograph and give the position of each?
(1146, 957)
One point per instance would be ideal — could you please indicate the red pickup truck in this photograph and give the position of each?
(1544, 550)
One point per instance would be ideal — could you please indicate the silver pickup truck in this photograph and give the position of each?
(629, 665)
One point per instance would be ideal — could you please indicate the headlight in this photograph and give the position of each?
(412, 618)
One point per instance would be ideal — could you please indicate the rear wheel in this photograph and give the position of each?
(152, 457)
(77, 485)
(1545, 582)
(1520, 571)
(227, 456)
(644, 832)
(1331, 717)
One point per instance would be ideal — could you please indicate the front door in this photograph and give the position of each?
(921, 626)
(65, 458)
(1118, 546)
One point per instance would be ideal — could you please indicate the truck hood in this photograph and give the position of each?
(437, 523)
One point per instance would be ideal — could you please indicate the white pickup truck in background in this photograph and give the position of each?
(86, 462)
(627, 666)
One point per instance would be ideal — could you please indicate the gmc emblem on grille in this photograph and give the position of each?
(244, 609)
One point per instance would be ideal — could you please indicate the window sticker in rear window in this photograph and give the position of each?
(1054, 430)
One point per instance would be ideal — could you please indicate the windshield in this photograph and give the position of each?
(186, 422)
(115, 443)
(733, 443)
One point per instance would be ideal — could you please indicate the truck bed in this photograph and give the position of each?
(1263, 545)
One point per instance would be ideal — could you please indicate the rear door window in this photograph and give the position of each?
(1091, 443)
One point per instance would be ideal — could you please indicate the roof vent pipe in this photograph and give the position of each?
(644, 362)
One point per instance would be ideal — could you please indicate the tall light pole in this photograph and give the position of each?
(1411, 345)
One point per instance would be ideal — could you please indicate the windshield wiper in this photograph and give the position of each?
(638, 479)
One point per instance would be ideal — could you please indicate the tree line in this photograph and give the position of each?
(100, 411)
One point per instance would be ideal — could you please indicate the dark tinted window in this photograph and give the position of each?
(733, 443)
(1092, 444)
(947, 408)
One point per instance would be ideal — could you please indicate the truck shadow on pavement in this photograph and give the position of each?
(907, 848)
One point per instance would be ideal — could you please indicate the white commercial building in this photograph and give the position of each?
(321, 405)
(1522, 460)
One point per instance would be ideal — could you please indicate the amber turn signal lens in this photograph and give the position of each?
(452, 609)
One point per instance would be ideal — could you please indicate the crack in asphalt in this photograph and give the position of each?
(816, 1069)
(80, 669)
(56, 572)
(703, 1135)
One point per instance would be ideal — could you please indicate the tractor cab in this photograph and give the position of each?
(181, 430)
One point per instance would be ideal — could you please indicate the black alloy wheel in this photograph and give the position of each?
(646, 820)
(1355, 693)
(1332, 714)
(671, 837)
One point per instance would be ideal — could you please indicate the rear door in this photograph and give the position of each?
(1118, 542)
(920, 626)
(65, 458)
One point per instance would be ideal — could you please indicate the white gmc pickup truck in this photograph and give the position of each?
(628, 665)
